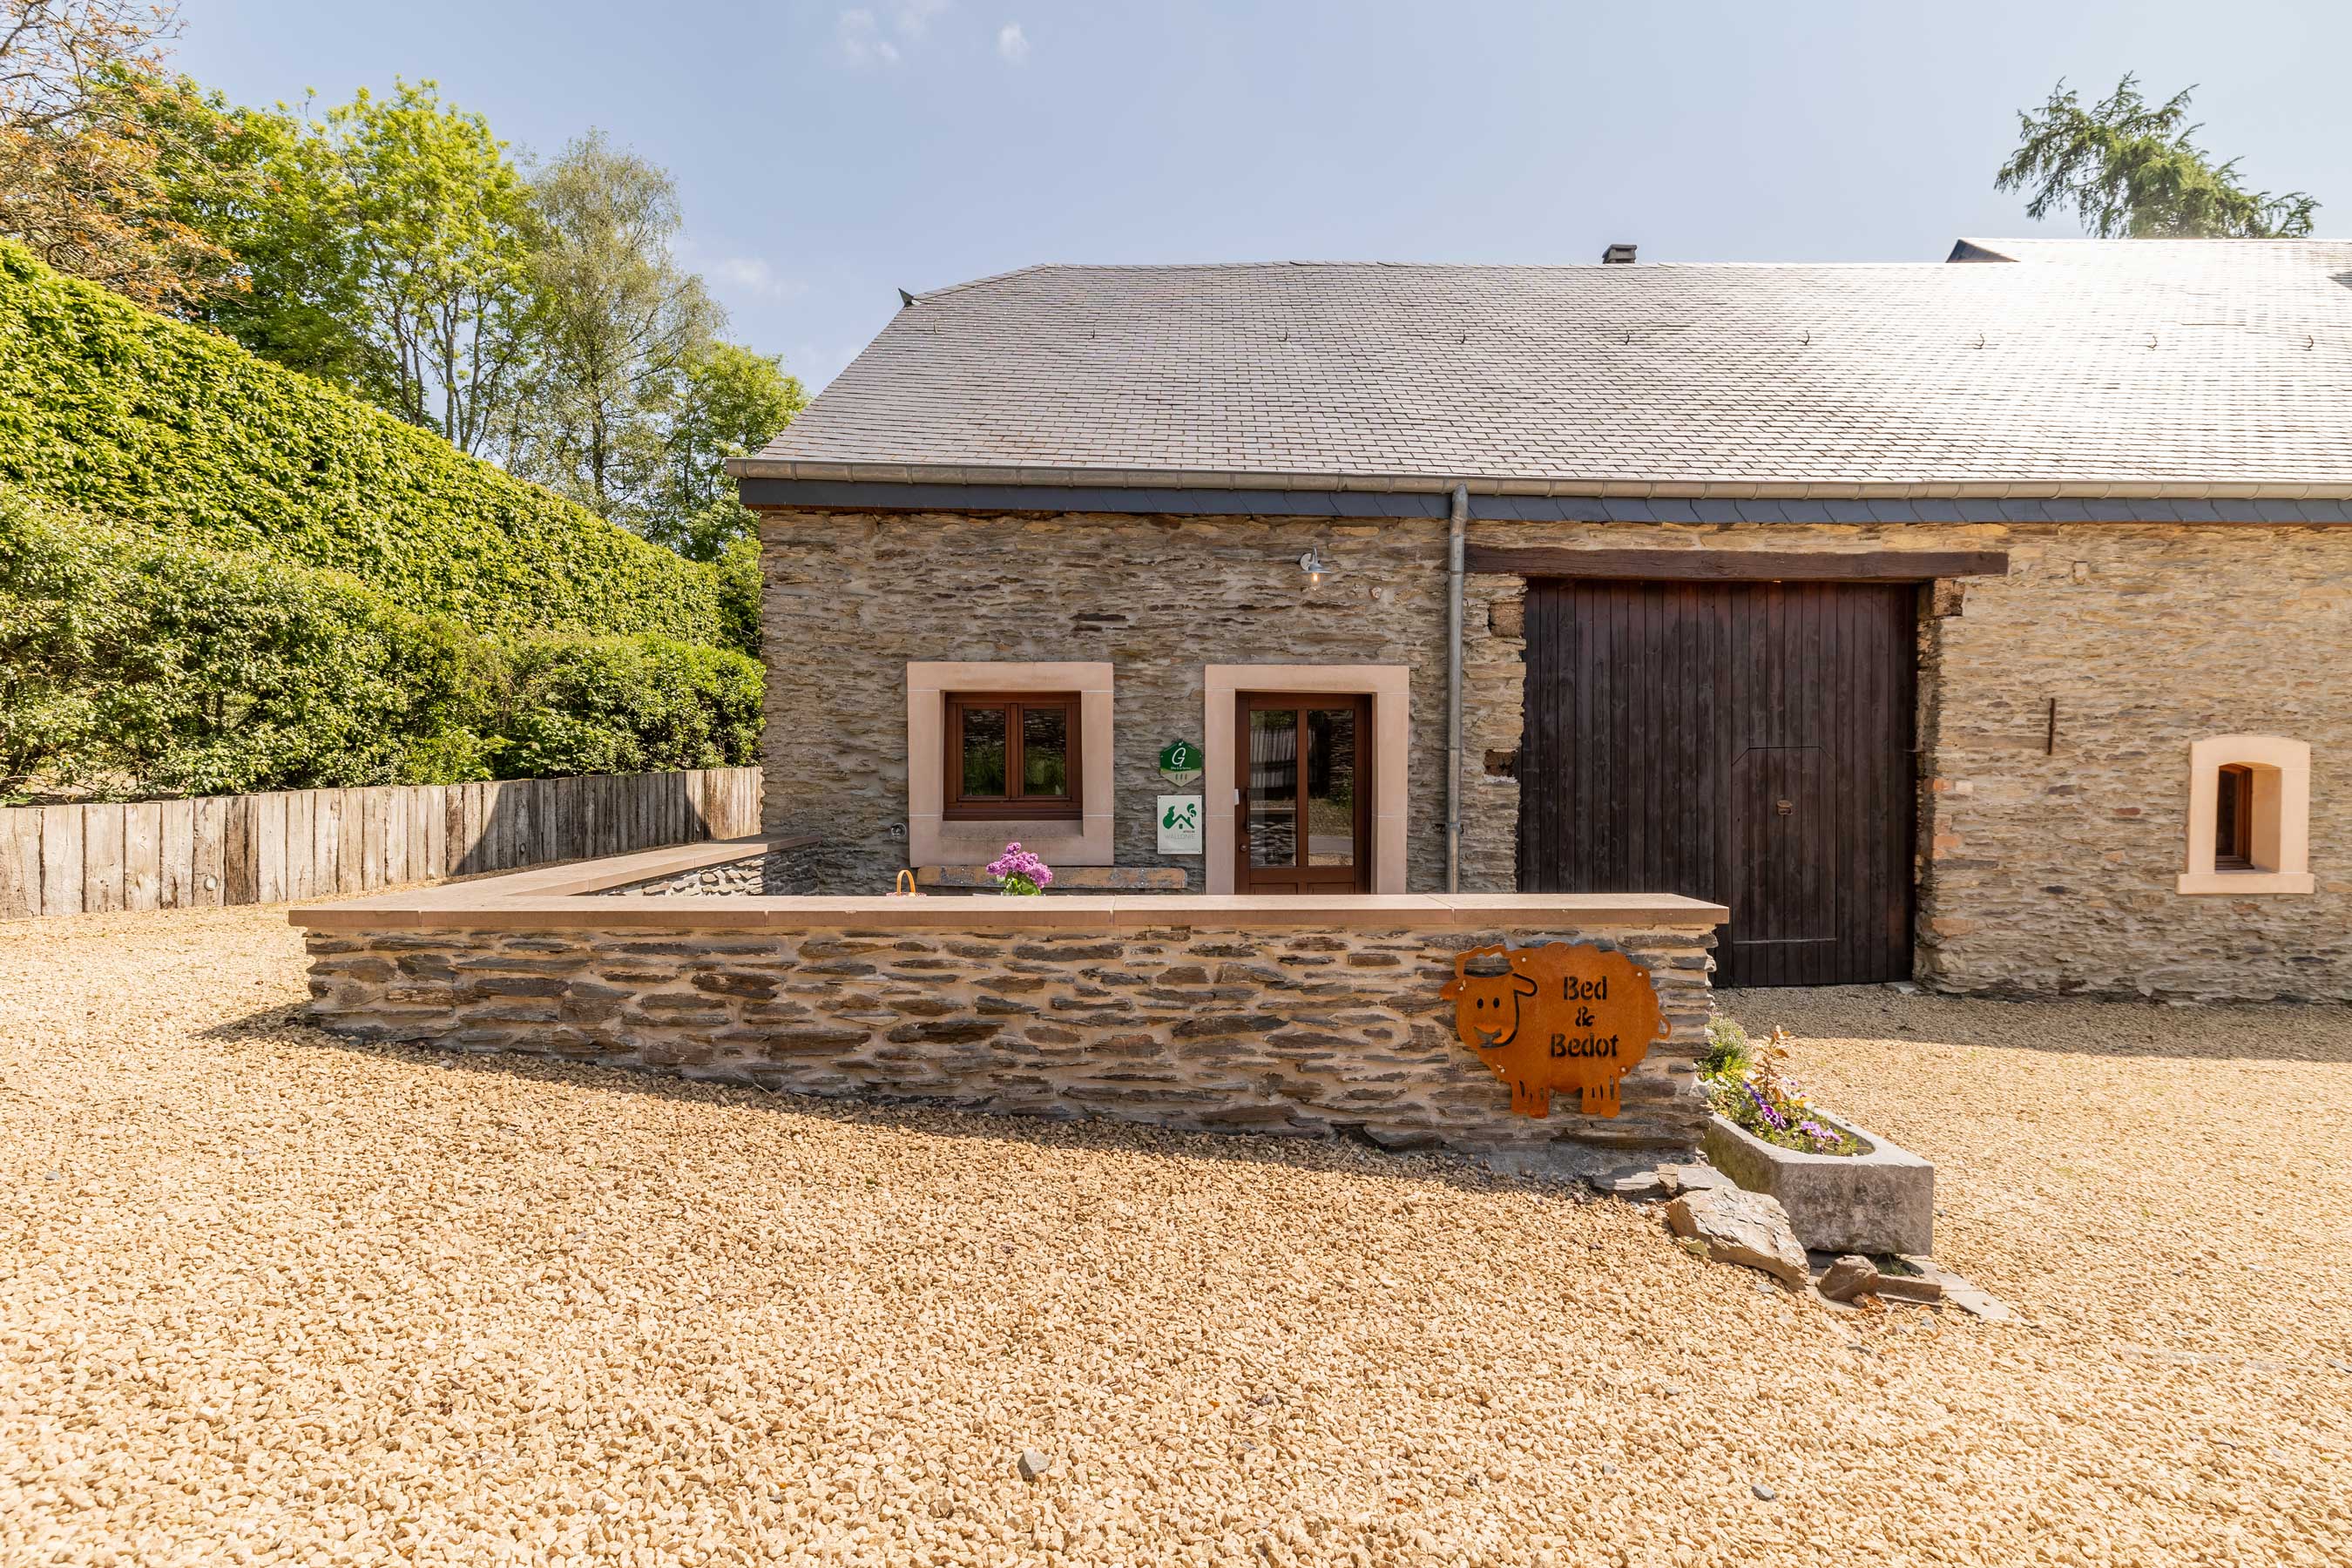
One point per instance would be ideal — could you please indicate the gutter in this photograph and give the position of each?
(1458, 520)
(1632, 487)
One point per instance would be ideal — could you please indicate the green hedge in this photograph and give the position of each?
(135, 663)
(108, 409)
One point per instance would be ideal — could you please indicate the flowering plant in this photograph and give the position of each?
(1749, 1085)
(1018, 871)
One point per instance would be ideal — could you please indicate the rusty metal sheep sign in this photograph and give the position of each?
(1555, 1017)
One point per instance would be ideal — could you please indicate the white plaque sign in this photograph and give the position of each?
(1181, 830)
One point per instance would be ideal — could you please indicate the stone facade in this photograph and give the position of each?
(2039, 872)
(1300, 1032)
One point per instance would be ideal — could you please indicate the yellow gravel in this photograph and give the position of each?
(265, 1297)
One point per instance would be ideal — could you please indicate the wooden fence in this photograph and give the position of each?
(333, 843)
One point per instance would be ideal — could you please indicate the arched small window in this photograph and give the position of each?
(2249, 815)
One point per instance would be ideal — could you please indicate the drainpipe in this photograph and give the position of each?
(1461, 516)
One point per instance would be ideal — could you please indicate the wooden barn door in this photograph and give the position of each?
(1746, 742)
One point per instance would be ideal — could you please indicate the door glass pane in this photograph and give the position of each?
(983, 751)
(1331, 786)
(1045, 750)
(1272, 828)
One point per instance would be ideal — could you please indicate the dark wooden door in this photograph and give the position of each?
(1747, 742)
(1303, 816)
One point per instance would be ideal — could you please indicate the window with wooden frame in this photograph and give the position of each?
(2249, 816)
(1011, 755)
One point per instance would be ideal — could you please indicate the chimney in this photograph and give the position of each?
(1619, 254)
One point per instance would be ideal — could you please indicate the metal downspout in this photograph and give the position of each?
(1460, 518)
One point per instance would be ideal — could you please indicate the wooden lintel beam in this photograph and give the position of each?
(1739, 565)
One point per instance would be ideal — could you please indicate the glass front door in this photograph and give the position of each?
(1303, 795)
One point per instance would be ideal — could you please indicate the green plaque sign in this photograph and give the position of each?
(1181, 763)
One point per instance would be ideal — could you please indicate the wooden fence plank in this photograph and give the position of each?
(369, 805)
(546, 819)
(101, 858)
(20, 863)
(143, 839)
(494, 840)
(301, 845)
(351, 842)
(211, 874)
(63, 832)
(391, 810)
(176, 855)
(240, 864)
(269, 848)
(454, 842)
(421, 802)
(391, 816)
(326, 842)
(210, 870)
(437, 829)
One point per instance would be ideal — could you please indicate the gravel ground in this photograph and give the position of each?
(265, 1297)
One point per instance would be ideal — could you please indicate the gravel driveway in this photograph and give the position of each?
(266, 1298)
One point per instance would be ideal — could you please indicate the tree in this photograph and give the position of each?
(440, 231)
(253, 182)
(615, 319)
(2130, 169)
(725, 400)
(91, 151)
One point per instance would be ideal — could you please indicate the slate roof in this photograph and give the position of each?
(2086, 368)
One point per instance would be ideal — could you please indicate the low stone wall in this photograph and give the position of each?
(775, 873)
(1204, 1024)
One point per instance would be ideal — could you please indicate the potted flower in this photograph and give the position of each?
(1020, 874)
(1845, 1189)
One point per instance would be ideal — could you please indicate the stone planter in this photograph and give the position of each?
(1881, 1200)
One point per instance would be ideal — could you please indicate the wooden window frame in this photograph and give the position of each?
(2233, 821)
(1012, 806)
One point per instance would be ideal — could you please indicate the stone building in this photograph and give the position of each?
(1986, 622)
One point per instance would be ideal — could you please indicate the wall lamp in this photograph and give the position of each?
(1315, 566)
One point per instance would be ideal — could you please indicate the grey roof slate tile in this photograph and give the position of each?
(2037, 374)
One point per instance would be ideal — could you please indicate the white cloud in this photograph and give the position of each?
(1012, 44)
(861, 40)
(913, 17)
(865, 38)
(753, 275)
(741, 276)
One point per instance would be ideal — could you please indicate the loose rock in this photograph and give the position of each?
(1743, 1227)
(1849, 1276)
(1032, 1463)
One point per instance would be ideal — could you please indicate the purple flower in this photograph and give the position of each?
(1017, 865)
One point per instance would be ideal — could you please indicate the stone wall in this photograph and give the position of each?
(2037, 873)
(1301, 1032)
(863, 596)
(771, 874)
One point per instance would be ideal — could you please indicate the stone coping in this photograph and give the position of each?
(1066, 878)
(551, 899)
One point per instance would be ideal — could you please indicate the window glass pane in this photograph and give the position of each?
(983, 751)
(1272, 828)
(1045, 750)
(1331, 786)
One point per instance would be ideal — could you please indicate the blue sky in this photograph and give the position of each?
(830, 153)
